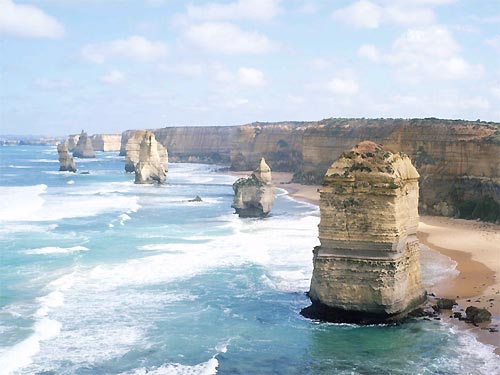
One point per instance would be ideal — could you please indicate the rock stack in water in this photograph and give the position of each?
(83, 148)
(133, 148)
(152, 159)
(66, 163)
(367, 268)
(254, 196)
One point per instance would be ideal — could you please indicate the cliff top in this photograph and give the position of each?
(369, 161)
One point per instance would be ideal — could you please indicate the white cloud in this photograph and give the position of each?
(362, 13)
(238, 10)
(369, 51)
(251, 77)
(494, 43)
(422, 53)
(319, 63)
(135, 48)
(343, 86)
(27, 21)
(227, 38)
(371, 15)
(113, 77)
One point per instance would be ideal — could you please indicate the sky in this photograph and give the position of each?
(110, 65)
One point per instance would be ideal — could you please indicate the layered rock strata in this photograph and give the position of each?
(367, 267)
(83, 148)
(151, 167)
(66, 162)
(106, 142)
(134, 146)
(254, 196)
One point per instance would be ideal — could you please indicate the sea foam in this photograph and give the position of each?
(55, 250)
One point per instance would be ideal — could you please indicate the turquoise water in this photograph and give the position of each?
(100, 276)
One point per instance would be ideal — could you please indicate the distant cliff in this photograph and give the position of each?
(458, 160)
(100, 142)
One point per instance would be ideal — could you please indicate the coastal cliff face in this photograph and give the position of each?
(254, 196)
(280, 143)
(367, 268)
(210, 144)
(134, 146)
(66, 162)
(151, 167)
(106, 142)
(83, 148)
(458, 160)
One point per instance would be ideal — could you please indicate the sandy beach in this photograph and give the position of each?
(474, 246)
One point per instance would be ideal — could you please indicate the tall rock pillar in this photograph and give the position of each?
(367, 267)
(152, 159)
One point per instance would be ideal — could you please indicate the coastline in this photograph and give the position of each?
(473, 245)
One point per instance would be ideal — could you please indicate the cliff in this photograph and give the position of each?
(106, 142)
(151, 166)
(210, 144)
(458, 160)
(100, 142)
(83, 148)
(367, 268)
(134, 147)
(254, 196)
(66, 163)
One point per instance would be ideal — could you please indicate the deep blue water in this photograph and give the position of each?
(101, 276)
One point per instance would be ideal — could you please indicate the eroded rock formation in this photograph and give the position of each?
(66, 163)
(367, 267)
(106, 142)
(254, 196)
(133, 149)
(151, 165)
(83, 148)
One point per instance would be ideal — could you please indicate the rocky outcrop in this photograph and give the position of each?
(106, 142)
(367, 267)
(151, 166)
(254, 196)
(133, 149)
(83, 148)
(66, 163)
(458, 160)
(71, 141)
(192, 144)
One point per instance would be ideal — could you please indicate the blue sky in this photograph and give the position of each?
(110, 65)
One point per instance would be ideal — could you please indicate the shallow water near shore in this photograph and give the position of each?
(101, 276)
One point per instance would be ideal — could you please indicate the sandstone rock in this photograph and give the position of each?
(196, 199)
(254, 196)
(83, 148)
(477, 315)
(66, 162)
(71, 141)
(151, 167)
(133, 148)
(367, 268)
(106, 142)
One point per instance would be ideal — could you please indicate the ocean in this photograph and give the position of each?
(101, 276)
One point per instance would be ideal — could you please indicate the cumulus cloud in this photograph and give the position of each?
(227, 38)
(371, 15)
(135, 48)
(251, 77)
(363, 13)
(27, 21)
(113, 77)
(421, 53)
(343, 86)
(238, 10)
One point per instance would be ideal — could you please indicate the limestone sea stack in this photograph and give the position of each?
(254, 196)
(66, 163)
(83, 148)
(133, 147)
(367, 268)
(151, 167)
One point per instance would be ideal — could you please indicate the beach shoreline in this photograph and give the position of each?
(474, 246)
